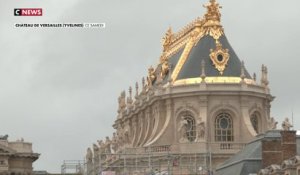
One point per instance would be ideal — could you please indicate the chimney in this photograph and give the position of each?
(276, 150)
(288, 144)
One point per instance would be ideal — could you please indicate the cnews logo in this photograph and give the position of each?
(28, 12)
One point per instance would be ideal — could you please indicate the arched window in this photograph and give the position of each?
(187, 128)
(223, 128)
(254, 121)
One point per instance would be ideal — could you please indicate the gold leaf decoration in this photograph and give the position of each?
(219, 57)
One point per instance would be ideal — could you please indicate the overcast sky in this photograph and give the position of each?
(59, 87)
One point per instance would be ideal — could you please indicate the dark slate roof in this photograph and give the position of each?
(192, 66)
(173, 61)
(249, 157)
(248, 160)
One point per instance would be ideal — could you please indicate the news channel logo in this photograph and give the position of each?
(28, 12)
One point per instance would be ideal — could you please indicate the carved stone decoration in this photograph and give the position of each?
(114, 143)
(272, 124)
(151, 76)
(126, 134)
(219, 57)
(201, 129)
(89, 161)
(182, 130)
(120, 140)
(286, 125)
(264, 76)
(122, 102)
(101, 145)
(107, 145)
(96, 158)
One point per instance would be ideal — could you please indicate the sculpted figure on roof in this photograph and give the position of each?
(286, 125)
(122, 101)
(164, 69)
(151, 76)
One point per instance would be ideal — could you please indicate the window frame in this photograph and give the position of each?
(224, 133)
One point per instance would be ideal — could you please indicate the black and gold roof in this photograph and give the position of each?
(199, 52)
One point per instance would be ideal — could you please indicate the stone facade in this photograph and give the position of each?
(16, 158)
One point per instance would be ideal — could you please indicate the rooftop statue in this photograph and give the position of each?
(286, 125)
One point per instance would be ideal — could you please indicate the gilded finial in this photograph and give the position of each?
(213, 12)
(167, 39)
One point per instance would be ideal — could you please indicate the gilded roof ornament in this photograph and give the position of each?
(212, 19)
(213, 12)
(167, 39)
(151, 76)
(219, 57)
(164, 69)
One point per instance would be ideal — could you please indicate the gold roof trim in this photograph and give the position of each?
(210, 25)
(183, 58)
(212, 80)
(190, 35)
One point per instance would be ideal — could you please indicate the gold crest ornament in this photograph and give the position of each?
(167, 39)
(219, 57)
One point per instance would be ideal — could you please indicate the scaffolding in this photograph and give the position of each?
(177, 159)
(152, 161)
(73, 167)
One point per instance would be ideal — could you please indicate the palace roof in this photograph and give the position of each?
(199, 51)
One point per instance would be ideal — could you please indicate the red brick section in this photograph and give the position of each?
(276, 150)
(289, 146)
(271, 152)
